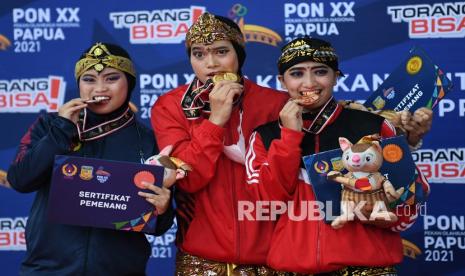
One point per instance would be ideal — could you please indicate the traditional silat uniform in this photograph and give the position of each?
(58, 249)
(211, 238)
(274, 167)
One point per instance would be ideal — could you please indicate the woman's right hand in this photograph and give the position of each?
(70, 110)
(222, 99)
(291, 115)
(160, 198)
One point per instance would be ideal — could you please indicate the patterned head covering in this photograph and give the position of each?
(209, 28)
(307, 49)
(99, 57)
(102, 55)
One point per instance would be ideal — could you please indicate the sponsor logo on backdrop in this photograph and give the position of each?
(157, 26)
(444, 237)
(316, 18)
(32, 26)
(12, 236)
(452, 107)
(253, 33)
(356, 82)
(151, 86)
(32, 95)
(431, 21)
(441, 165)
(163, 246)
(4, 42)
(154, 85)
(362, 82)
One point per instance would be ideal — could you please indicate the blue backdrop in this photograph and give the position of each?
(40, 42)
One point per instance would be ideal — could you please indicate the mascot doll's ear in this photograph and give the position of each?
(344, 143)
(166, 150)
(377, 146)
(164, 158)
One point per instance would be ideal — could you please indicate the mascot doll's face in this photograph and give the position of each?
(361, 157)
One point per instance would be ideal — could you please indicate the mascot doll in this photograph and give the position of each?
(175, 168)
(364, 185)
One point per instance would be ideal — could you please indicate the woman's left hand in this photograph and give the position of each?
(417, 125)
(160, 198)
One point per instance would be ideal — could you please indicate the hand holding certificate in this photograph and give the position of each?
(417, 82)
(103, 193)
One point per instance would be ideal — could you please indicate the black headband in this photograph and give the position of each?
(307, 49)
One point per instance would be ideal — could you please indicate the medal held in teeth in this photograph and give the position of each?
(225, 76)
(308, 98)
(97, 99)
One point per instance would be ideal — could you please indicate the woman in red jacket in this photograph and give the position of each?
(311, 122)
(209, 126)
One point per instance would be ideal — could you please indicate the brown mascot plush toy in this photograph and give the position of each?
(364, 184)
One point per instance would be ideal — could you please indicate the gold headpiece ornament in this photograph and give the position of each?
(100, 57)
(303, 47)
(208, 29)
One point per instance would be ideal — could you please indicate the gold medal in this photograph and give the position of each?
(225, 76)
(231, 77)
(217, 78)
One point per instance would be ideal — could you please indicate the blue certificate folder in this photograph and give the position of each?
(102, 193)
(416, 82)
(401, 173)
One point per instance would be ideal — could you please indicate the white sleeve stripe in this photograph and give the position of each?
(250, 157)
(424, 180)
(252, 181)
(413, 217)
(409, 225)
(402, 227)
(248, 153)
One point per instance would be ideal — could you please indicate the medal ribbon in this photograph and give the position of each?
(195, 101)
(192, 103)
(103, 129)
(323, 117)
